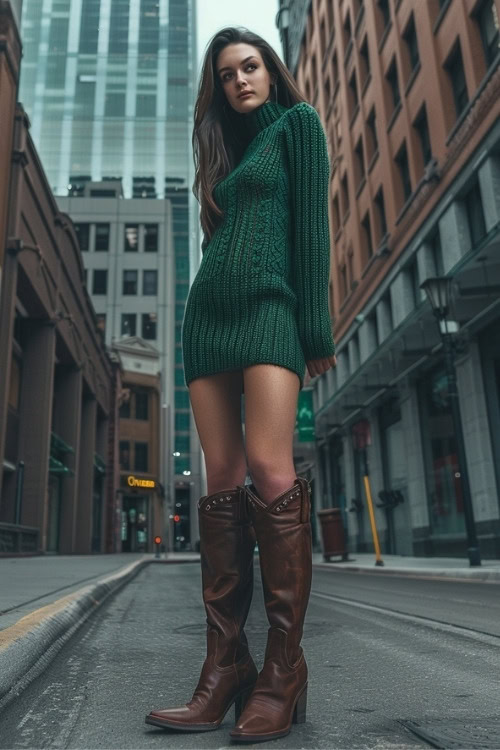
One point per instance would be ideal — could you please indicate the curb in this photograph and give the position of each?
(29, 645)
(459, 574)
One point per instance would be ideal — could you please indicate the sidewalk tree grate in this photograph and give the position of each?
(456, 734)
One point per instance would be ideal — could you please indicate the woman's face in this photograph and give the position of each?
(240, 68)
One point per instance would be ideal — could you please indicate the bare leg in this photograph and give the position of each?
(216, 404)
(271, 394)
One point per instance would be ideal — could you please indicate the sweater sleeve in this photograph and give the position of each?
(309, 181)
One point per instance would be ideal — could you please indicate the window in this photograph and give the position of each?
(151, 238)
(343, 280)
(387, 320)
(336, 214)
(360, 159)
(131, 238)
(392, 80)
(404, 170)
(89, 27)
(141, 405)
(385, 12)
(371, 322)
(367, 240)
(379, 202)
(125, 407)
(422, 128)
(149, 282)
(335, 68)
(101, 321)
(141, 457)
(350, 270)
(365, 58)
(455, 69)
(100, 281)
(372, 129)
(354, 91)
(128, 324)
(475, 215)
(101, 237)
(149, 326)
(182, 399)
(347, 29)
(82, 233)
(129, 282)
(118, 28)
(114, 105)
(437, 254)
(149, 29)
(181, 422)
(487, 18)
(411, 271)
(146, 105)
(410, 37)
(345, 194)
(124, 453)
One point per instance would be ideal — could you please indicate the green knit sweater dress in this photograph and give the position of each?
(260, 294)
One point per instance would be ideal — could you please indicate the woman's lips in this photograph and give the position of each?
(244, 96)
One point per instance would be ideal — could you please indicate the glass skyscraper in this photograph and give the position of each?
(108, 87)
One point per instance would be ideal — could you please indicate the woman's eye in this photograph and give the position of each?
(250, 65)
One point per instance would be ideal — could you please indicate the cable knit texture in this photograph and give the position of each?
(261, 292)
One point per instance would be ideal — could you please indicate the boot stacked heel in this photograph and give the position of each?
(299, 712)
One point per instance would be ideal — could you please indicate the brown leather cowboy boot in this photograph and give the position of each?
(283, 531)
(227, 543)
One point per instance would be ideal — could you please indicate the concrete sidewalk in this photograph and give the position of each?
(415, 567)
(44, 600)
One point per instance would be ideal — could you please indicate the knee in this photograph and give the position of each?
(223, 475)
(264, 470)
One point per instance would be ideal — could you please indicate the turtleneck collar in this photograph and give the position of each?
(261, 117)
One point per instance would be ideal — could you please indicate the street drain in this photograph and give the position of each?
(456, 734)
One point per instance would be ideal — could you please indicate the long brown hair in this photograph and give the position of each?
(217, 147)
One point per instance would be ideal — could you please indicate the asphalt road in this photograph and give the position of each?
(373, 660)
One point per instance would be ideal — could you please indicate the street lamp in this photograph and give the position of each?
(438, 290)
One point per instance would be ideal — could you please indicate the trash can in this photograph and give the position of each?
(332, 533)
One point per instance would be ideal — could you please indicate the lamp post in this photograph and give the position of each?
(438, 291)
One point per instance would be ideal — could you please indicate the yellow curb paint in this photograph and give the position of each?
(32, 620)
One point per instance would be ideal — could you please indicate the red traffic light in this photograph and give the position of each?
(177, 518)
(157, 539)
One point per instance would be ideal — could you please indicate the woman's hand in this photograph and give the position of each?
(319, 366)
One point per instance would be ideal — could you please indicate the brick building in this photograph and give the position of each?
(409, 95)
(56, 379)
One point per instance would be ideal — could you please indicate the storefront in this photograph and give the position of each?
(395, 480)
(442, 473)
(137, 515)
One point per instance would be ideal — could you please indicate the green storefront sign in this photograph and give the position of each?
(305, 417)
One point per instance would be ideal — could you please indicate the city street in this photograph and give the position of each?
(380, 649)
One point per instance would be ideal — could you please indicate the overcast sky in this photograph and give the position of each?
(256, 15)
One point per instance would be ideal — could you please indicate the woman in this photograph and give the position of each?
(256, 315)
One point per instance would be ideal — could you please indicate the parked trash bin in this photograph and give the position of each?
(332, 533)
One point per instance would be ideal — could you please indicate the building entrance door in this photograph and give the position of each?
(135, 523)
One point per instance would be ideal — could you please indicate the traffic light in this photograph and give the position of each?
(177, 518)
